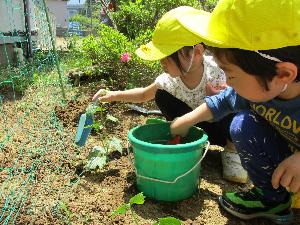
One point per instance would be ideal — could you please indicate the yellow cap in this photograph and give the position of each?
(247, 24)
(169, 36)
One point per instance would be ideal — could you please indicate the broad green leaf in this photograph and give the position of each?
(121, 210)
(101, 150)
(101, 108)
(112, 118)
(91, 109)
(95, 162)
(115, 144)
(137, 199)
(169, 221)
(97, 151)
(97, 126)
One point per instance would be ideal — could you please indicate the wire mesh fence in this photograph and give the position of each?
(34, 150)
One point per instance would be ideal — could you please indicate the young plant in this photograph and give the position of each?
(65, 209)
(97, 158)
(71, 217)
(139, 199)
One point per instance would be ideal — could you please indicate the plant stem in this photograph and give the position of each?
(134, 216)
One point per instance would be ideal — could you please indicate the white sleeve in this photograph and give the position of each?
(163, 81)
(215, 75)
(218, 77)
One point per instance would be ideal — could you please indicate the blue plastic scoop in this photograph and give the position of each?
(84, 126)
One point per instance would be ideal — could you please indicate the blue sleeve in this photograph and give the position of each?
(226, 102)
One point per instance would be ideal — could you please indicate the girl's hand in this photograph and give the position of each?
(100, 93)
(104, 95)
(288, 173)
(210, 90)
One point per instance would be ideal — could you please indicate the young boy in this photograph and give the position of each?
(257, 44)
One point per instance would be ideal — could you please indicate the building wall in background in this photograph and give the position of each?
(59, 9)
(13, 32)
(12, 15)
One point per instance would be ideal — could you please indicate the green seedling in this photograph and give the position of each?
(139, 199)
(168, 221)
(65, 209)
(97, 158)
(71, 217)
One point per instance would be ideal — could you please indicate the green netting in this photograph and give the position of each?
(34, 149)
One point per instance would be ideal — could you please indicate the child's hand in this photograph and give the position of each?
(104, 95)
(179, 128)
(210, 90)
(288, 173)
(100, 93)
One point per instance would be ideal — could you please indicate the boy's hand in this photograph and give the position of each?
(288, 173)
(178, 127)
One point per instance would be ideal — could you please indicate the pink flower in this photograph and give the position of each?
(125, 57)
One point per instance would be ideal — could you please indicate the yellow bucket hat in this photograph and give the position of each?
(247, 24)
(169, 36)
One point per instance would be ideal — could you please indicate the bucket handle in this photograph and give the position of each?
(177, 178)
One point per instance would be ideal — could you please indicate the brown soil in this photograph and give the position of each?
(92, 196)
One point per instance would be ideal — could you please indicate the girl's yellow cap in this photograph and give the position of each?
(247, 24)
(169, 35)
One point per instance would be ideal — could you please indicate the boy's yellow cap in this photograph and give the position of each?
(169, 36)
(247, 24)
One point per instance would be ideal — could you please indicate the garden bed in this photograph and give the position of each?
(63, 193)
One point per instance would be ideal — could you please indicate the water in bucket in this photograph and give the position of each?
(166, 172)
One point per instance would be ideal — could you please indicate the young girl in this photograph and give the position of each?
(183, 85)
(257, 44)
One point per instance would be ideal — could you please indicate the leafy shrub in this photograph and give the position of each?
(135, 21)
(85, 22)
(134, 18)
(143, 38)
(75, 57)
(136, 73)
(108, 46)
(106, 50)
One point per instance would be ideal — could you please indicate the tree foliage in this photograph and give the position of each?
(135, 17)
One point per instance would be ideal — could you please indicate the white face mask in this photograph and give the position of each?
(191, 63)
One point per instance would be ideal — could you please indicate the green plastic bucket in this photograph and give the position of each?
(167, 172)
